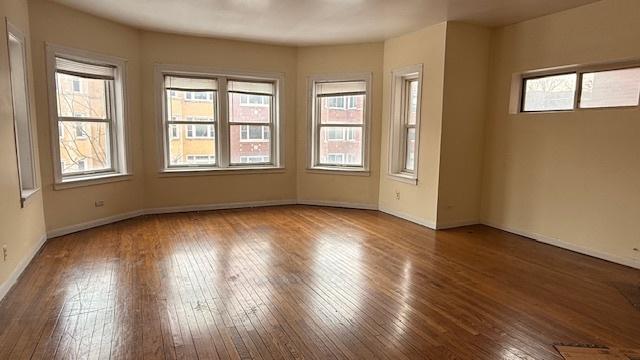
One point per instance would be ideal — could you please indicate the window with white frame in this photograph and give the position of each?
(21, 113)
(339, 112)
(236, 111)
(583, 87)
(88, 113)
(405, 122)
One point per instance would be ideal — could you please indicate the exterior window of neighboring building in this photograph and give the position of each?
(253, 159)
(27, 174)
(405, 123)
(201, 159)
(339, 113)
(235, 119)
(200, 131)
(253, 100)
(89, 115)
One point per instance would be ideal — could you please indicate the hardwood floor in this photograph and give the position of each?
(296, 282)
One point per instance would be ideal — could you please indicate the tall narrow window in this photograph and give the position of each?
(214, 121)
(339, 123)
(89, 115)
(405, 121)
(191, 109)
(250, 121)
(21, 113)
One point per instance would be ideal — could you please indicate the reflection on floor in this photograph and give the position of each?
(298, 281)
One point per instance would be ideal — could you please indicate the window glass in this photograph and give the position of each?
(81, 97)
(341, 140)
(610, 88)
(85, 146)
(21, 113)
(342, 109)
(550, 93)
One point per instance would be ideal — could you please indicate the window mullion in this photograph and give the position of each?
(223, 141)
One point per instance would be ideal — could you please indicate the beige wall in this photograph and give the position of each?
(331, 187)
(22, 228)
(463, 119)
(571, 177)
(66, 27)
(417, 202)
(163, 191)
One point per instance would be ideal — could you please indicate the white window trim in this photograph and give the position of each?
(397, 145)
(222, 143)
(25, 194)
(516, 98)
(312, 153)
(121, 159)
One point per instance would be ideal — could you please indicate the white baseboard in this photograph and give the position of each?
(455, 224)
(340, 204)
(163, 210)
(13, 278)
(634, 263)
(93, 223)
(236, 205)
(430, 224)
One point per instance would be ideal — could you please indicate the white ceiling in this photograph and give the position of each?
(307, 22)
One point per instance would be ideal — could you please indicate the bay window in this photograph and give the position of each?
(234, 118)
(339, 123)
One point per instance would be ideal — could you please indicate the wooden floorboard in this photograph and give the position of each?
(304, 282)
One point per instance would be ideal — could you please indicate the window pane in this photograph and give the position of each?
(249, 140)
(411, 149)
(81, 97)
(413, 102)
(188, 143)
(610, 88)
(249, 108)
(21, 112)
(84, 146)
(556, 92)
(191, 105)
(342, 109)
(341, 146)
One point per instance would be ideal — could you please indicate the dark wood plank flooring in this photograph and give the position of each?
(297, 282)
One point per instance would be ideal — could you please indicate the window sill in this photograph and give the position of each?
(178, 172)
(338, 171)
(27, 195)
(405, 178)
(91, 180)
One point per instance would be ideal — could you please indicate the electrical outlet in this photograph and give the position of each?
(5, 253)
(99, 203)
(397, 195)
